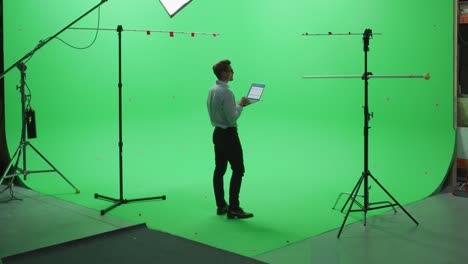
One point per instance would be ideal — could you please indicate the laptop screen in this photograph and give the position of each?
(255, 91)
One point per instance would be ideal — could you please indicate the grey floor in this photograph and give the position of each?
(387, 238)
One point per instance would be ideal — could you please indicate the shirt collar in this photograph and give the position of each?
(223, 84)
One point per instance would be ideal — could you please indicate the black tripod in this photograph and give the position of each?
(21, 150)
(366, 173)
(121, 200)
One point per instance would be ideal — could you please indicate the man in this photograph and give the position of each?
(224, 113)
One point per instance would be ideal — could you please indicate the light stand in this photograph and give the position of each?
(121, 200)
(368, 206)
(172, 7)
(21, 150)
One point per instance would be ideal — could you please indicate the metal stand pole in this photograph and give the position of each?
(364, 179)
(119, 201)
(366, 173)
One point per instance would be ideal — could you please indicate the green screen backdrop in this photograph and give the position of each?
(303, 143)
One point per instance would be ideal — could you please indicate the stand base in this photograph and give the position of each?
(12, 195)
(461, 192)
(360, 204)
(118, 202)
(368, 206)
(21, 151)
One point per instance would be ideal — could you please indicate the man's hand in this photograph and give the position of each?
(244, 101)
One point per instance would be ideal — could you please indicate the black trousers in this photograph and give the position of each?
(227, 148)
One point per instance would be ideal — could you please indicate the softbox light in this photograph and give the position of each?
(174, 6)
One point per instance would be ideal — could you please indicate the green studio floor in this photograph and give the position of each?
(41, 220)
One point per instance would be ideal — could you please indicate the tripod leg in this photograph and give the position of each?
(339, 197)
(20, 152)
(378, 183)
(8, 186)
(353, 194)
(17, 154)
(118, 203)
(50, 164)
(11, 163)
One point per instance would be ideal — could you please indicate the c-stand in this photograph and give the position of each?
(366, 173)
(21, 150)
(367, 206)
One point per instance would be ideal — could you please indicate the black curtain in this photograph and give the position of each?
(4, 155)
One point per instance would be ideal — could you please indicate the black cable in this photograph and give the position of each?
(95, 36)
(28, 96)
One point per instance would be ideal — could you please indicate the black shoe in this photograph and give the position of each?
(238, 213)
(222, 210)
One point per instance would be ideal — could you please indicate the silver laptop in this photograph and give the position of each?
(255, 92)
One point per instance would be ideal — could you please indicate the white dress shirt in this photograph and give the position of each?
(222, 107)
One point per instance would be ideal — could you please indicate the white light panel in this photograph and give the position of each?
(174, 6)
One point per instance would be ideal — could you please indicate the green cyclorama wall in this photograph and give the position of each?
(303, 143)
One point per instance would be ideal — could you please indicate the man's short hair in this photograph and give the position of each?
(220, 67)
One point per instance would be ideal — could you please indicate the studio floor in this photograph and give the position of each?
(39, 221)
